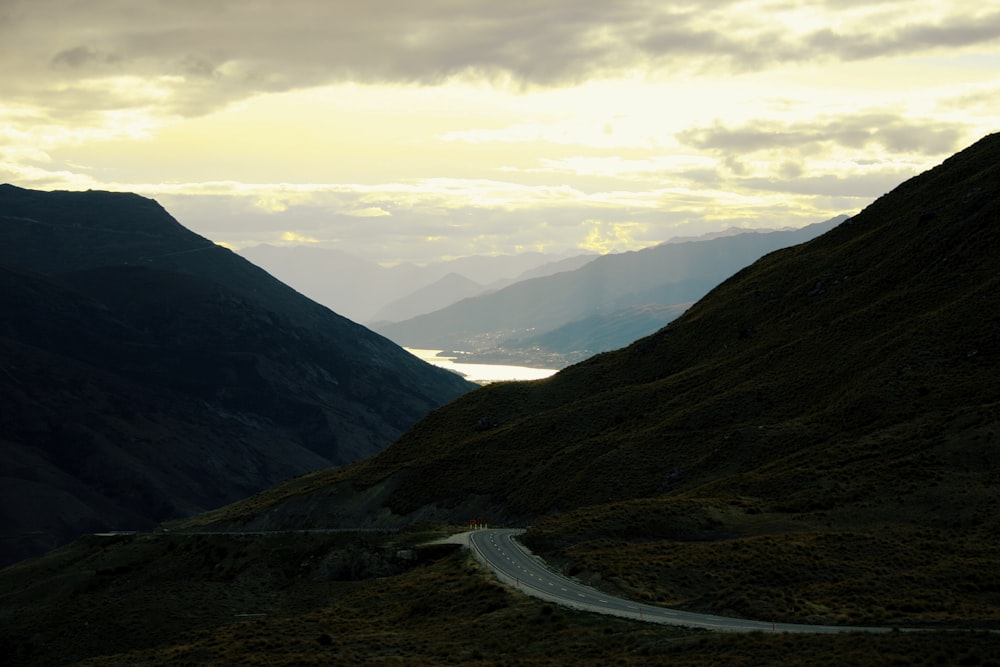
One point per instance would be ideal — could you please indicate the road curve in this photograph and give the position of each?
(515, 566)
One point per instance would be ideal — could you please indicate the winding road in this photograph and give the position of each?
(514, 565)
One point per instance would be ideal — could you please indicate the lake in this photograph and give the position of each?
(481, 373)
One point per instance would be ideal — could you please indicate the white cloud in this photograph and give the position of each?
(296, 238)
(368, 212)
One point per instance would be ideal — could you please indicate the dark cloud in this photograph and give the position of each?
(984, 100)
(83, 56)
(795, 153)
(862, 131)
(954, 32)
(221, 50)
(858, 186)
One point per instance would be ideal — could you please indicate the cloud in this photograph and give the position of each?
(668, 118)
(982, 100)
(953, 31)
(83, 56)
(368, 212)
(433, 218)
(850, 157)
(615, 166)
(272, 203)
(862, 131)
(862, 187)
(206, 54)
(604, 237)
(294, 237)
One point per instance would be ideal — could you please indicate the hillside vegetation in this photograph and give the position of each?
(147, 373)
(815, 440)
(350, 599)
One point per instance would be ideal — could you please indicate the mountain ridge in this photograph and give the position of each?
(814, 441)
(149, 373)
(359, 288)
(667, 274)
(442, 292)
(835, 399)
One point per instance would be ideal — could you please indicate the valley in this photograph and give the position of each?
(499, 334)
(812, 443)
(150, 374)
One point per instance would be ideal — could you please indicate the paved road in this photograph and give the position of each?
(514, 565)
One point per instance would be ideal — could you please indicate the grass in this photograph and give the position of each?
(815, 441)
(152, 601)
(826, 418)
(732, 558)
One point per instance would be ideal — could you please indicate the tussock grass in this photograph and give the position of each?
(815, 439)
(444, 612)
(728, 556)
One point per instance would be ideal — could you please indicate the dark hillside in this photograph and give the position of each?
(888, 322)
(348, 599)
(149, 374)
(104, 427)
(836, 400)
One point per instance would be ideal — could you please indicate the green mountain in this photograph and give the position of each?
(148, 373)
(815, 440)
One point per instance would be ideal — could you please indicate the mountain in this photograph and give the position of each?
(455, 287)
(148, 373)
(584, 338)
(814, 440)
(342, 282)
(667, 275)
(549, 269)
(440, 294)
(359, 289)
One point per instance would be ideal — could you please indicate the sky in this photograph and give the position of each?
(404, 131)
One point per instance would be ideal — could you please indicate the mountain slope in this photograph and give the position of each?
(890, 319)
(439, 294)
(816, 439)
(149, 374)
(346, 284)
(454, 287)
(668, 274)
(581, 339)
(358, 288)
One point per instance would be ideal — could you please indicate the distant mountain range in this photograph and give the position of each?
(580, 339)
(367, 292)
(147, 373)
(814, 440)
(440, 294)
(640, 291)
